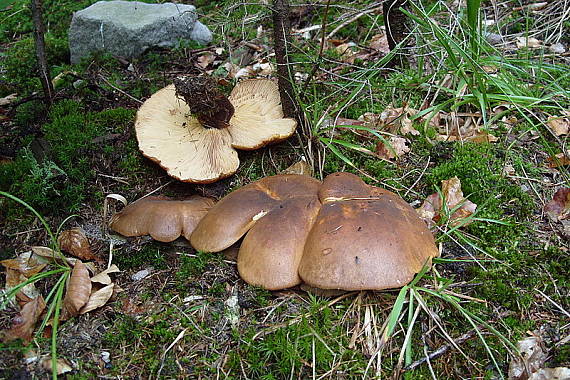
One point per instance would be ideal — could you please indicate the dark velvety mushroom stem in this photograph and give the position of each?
(207, 103)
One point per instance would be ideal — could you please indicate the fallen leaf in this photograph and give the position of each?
(559, 125)
(395, 120)
(394, 147)
(205, 60)
(559, 207)
(49, 255)
(25, 263)
(559, 159)
(346, 52)
(62, 365)
(78, 291)
(559, 373)
(301, 167)
(432, 208)
(103, 277)
(15, 278)
(76, 243)
(8, 99)
(25, 323)
(379, 42)
(98, 299)
(528, 42)
(532, 357)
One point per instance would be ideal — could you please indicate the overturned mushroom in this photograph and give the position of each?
(197, 143)
(162, 218)
(341, 234)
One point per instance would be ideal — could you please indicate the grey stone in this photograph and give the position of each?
(129, 28)
(494, 38)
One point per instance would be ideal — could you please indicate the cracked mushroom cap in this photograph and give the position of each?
(364, 238)
(162, 218)
(191, 152)
(271, 251)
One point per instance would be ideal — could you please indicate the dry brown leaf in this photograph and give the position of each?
(48, 255)
(395, 120)
(559, 207)
(559, 125)
(76, 243)
(26, 264)
(62, 365)
(528, 42)
(432, 208)
(533, 355)
(559, 373)
(394, 148)
(78, 291)
(27, 292)
(25, 323)
(559, 159)
(346, 52)
(205, 60)
(103, 277)
(379, 42)
(301, 167)
(98, 299)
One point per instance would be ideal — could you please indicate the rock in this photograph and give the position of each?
(494, 38)
(129, 28)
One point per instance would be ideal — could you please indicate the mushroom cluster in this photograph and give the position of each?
(338, 234)
(192, 130)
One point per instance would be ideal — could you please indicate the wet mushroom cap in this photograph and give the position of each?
(162, 218)
(189, 151)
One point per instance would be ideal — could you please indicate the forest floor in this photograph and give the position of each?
(496, 116)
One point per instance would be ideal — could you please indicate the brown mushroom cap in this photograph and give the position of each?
(341, 234)
(190, 152)
(161, 217)
(236, 213)
(364, 238)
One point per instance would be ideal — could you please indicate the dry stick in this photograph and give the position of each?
(446, 347)
(321, 49)
(351, 20)
(39, 30)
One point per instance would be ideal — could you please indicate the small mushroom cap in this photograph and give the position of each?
(236, 213)
(258, 118)
(271, 251)
(160, 217)
(364, 238)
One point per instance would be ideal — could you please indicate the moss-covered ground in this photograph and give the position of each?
(509, 268)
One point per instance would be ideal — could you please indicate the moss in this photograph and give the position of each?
(151, 254)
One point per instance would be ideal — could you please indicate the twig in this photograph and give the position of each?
(440, 351)
(39, 29)
(351, 20)
(121, 91)
(321, 49)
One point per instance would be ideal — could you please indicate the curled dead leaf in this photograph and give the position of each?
(78, 291)
(25, 323)
(393, 148)
(300, 167)
(559, 159)
(62, 365)
(98, 298)
(559, 125)
(532, 357)
(559, 207)
(103, 277)
(76, 243)
(432, 210)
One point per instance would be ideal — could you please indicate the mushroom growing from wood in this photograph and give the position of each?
(162, 218)
(339, 234)
(192, 130)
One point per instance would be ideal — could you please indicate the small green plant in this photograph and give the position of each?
(54, 299)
